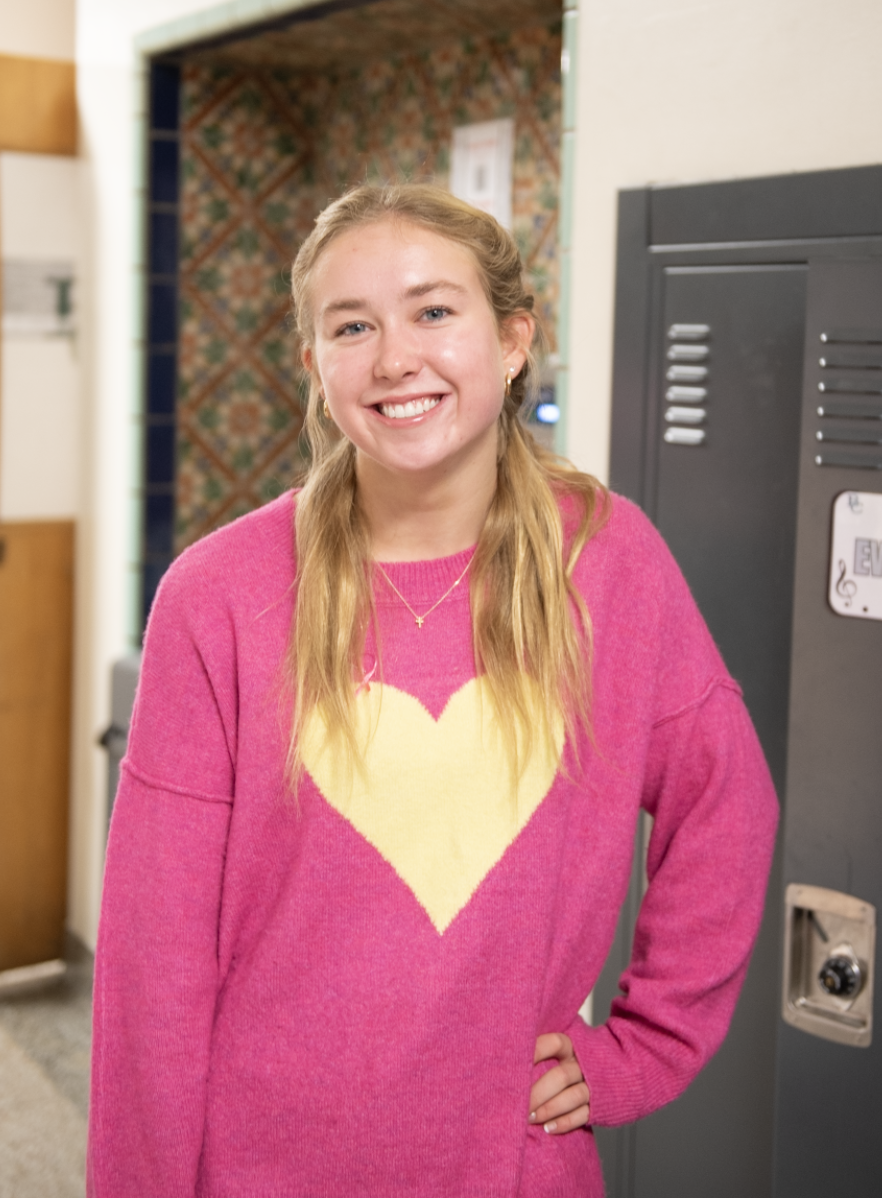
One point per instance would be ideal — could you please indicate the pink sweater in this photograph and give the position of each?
(338, 993)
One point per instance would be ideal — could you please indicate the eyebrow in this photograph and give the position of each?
(436, 285)
(352, 305)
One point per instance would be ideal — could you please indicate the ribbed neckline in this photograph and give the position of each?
(424, 582)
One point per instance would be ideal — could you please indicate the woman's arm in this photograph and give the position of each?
(715, 814)
(157, 960)
(155, 990)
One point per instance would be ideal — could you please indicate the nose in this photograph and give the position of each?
(398, 354)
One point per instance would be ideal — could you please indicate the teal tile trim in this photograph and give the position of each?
(563, 326)
(567, 181)
(134, 449)
(569, 73)
(222, 18)
(569, 67)
(563, 349)
(561, 396)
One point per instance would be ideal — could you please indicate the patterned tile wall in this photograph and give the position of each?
(263, 149)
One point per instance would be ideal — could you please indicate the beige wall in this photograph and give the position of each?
(41, 424)
(673, 92)
(110, 102)
(37, 28)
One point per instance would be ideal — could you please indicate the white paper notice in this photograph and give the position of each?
(481, 167)
(856, 555)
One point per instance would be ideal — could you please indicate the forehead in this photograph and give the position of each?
(391, 254)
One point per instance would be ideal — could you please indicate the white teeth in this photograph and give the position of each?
(413, 407)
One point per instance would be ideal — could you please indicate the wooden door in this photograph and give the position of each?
(36, 607)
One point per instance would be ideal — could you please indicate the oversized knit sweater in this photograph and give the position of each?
(338, 992)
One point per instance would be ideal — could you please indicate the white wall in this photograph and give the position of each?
(674, 92)
(37, 28)
(669, 91)
(41, 422)
(110, 101)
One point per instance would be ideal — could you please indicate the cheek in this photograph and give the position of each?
(478, 356)
(338, 371)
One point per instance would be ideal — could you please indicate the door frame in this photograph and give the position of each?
(218, 23)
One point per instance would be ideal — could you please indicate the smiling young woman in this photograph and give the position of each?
(376, 819)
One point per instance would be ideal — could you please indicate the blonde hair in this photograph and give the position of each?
(528, 619)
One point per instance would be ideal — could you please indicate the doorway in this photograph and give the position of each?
(250, 136)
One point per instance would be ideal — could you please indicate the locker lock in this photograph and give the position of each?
(841, 975)
(829, 951)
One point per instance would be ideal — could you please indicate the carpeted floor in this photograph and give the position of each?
(44, 1086)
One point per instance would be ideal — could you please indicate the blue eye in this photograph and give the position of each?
(436, 313)
(352, 329)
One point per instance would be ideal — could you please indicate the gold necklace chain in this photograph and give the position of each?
(420, 620)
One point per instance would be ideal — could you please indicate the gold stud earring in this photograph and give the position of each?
(509, 375)
(326, 409)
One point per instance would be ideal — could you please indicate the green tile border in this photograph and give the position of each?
(569, 48)
(569, 72)
(209, 22)
(134, 448)
(567, 180)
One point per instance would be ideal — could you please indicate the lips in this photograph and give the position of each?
(410, 408)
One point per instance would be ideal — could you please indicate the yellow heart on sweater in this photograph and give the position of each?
(435, 798)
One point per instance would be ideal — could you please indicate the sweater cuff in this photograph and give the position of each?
(619, 1091)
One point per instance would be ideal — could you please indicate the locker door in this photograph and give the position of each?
(829, 1100)
(726, 504)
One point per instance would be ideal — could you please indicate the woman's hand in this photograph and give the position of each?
(559, 1099)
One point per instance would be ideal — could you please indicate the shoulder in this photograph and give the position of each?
(642, 609)
(626, 548)
(243, 559)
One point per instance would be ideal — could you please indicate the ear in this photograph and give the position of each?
(516, 337)
(307, 357)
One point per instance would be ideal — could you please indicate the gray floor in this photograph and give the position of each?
(44, 1092)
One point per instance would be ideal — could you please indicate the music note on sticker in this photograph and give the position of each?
(855, 586)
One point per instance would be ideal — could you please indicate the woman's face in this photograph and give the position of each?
(407, 350)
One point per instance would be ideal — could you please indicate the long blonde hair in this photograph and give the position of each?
(531, 629)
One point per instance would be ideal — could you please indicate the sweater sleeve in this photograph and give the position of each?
(157, 959)
(715, 814)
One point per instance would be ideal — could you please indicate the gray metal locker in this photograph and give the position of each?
(724, 292)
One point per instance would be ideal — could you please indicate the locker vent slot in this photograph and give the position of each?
(839, 359)
(688, 355)
(857, 410)
(852, 337)
(688, 374)
(686, 394)
(692, 416)
(853, 461)
(684, 436)
(842, 432)
(858, 364)
(861, 385)
(689, 332)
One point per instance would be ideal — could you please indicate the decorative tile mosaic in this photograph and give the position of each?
(263, 149)
(370, 29)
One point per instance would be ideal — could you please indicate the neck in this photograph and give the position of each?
(414, 518)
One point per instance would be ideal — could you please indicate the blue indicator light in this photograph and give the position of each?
(548, 413)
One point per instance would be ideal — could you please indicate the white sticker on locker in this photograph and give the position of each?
(856, 555)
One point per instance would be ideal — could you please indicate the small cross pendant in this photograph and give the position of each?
(420, 621)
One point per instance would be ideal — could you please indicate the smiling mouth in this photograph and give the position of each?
(413, 407)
